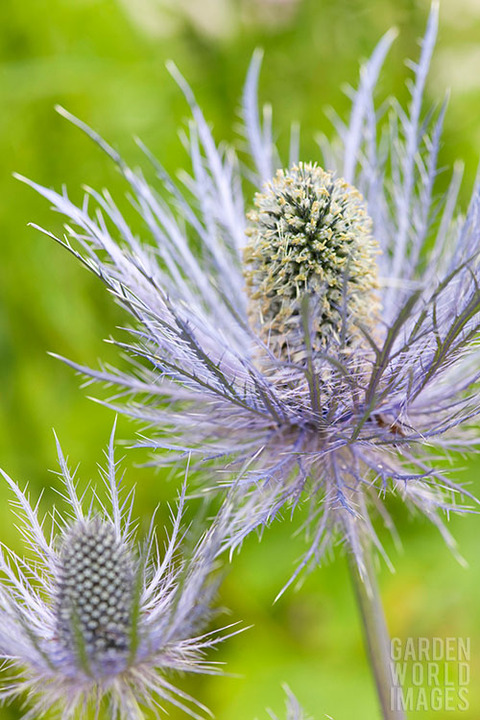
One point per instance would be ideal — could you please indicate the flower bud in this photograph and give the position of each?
(95, 591)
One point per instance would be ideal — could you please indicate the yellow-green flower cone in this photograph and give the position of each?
(310, 236)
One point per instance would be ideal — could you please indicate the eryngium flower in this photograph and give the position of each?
(327, 344)
(98, 618)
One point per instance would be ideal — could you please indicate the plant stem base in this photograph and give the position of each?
(377, 638)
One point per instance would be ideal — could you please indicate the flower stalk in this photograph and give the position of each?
(376, 636)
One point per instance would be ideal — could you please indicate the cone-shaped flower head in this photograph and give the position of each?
(95, 591)
(101, 617)
(279, 344)
(310, 238)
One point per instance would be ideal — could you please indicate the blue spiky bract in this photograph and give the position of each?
(294, 710)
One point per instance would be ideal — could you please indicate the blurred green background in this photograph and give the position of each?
(104, 60)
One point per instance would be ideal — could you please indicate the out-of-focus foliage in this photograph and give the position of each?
(105, 61)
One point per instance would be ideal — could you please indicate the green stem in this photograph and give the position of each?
(376, 637)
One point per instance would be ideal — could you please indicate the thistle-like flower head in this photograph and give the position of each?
(99, 616)
(324, 338)
(95, 595)
(310, 238)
